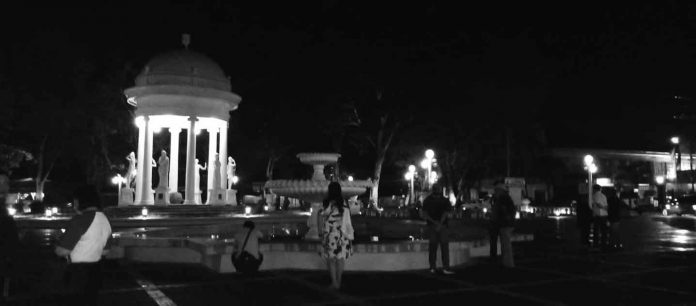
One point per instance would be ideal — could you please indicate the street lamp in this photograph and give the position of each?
(427, 163)
(409, 176)
(675, 140)
(591, 168)
(118, 180)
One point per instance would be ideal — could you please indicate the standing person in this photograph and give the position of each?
(501, 224)
(83, 245)
(614, 218)
(9, 240)
(436, 209)
(600, 215)
(335, 233)
(248, 241)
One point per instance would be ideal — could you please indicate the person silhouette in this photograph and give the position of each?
(198, 174)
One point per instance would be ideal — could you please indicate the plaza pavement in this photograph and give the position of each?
(657, 267)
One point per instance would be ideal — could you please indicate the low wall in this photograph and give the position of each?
(304, 255)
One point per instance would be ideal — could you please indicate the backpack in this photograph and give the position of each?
(244, 262)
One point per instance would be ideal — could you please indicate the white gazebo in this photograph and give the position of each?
(182, 90)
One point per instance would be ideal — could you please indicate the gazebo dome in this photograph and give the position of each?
(183, 67)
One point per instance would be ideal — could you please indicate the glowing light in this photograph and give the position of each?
(589, 160)
(116, 179)
(54, 210)
(429, 154)
(593, 168)
(433, 177)
(408, 176)
(247, 210)
(517, 215)
(140, 122)
(374, 239)
(660, 180)
(144, 212)
(674, 140)
(62, 230)
(411, 168)
(12, 211)
(485, 210)
(235, 179)
(557, 212)
(668, 206)
(604, 182)
(452, 198)
(350, 178)
(265, 208)
(48, 212)
(425, 163)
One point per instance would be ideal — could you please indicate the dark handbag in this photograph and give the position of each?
(245, 262)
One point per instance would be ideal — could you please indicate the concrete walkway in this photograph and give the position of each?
(550, 271)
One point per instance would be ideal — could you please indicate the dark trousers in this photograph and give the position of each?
(601, 231)
(438, 237)
(82, 281)
(505, 235)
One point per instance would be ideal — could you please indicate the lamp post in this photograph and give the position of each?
(427, 163)
(677, 161)
(409, 176)
(591, 168)
(118, 180)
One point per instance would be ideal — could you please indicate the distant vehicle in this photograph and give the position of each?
(680, 206)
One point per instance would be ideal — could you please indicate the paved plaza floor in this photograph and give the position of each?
(653, 269)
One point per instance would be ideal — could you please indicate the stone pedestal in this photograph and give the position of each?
(197, 198)
(126, 197)
(216, 196)
(313, 233)
(231, 197)
(161, 196)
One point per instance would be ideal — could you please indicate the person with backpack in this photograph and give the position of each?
(247, 258)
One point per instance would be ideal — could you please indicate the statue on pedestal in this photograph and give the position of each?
(130, 175)
(163, 170)
(231, 167)
(197, 180)
(216, 172)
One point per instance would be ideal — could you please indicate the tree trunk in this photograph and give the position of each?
(374, 196)
(269, 167)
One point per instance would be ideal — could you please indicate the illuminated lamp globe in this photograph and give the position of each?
(588, 159)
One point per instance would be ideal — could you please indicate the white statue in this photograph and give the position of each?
(130, 176)
(231, 167)
(163, 170)
(197, 180)
(216, 172)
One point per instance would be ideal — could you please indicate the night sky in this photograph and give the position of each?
(594, 75)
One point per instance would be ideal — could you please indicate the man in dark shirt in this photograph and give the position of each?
(435, 212)
(501, 224)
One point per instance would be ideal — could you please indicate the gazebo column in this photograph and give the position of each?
(148, 196)
(223, 156)
(212, 149)
(174, 159)
(191, 163)
(141, 156)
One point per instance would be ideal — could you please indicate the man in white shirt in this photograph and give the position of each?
(600, 213)
(83, 245)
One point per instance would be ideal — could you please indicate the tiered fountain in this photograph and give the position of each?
(316, 189)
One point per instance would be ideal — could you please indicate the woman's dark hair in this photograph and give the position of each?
(249, 224)
(88, 196)
(334, 196)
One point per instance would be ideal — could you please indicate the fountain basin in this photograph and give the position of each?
(301, 255)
